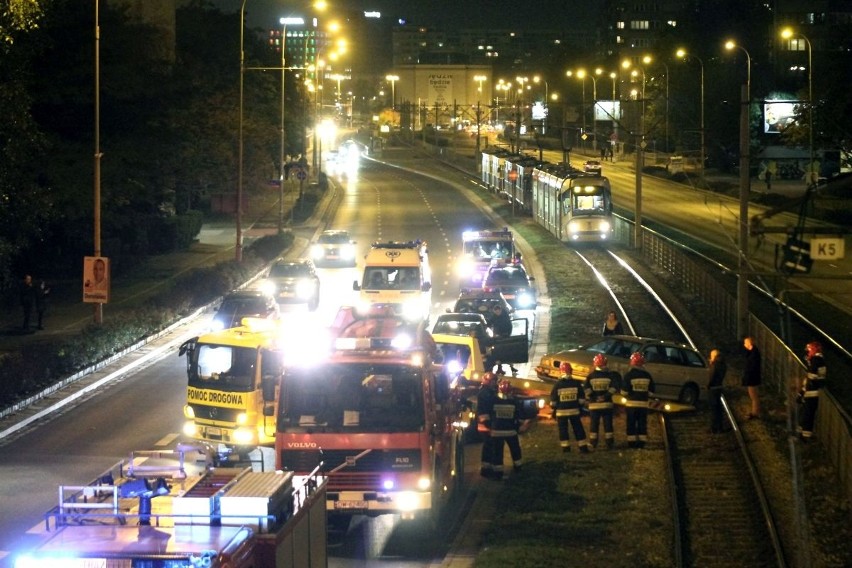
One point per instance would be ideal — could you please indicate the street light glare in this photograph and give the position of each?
(729, 45)
(787, 33)
(680, 53)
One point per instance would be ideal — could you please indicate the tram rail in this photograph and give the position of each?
(722, 516)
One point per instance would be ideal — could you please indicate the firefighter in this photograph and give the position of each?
(566, 398)
(601, 384)
(506, 423)
(637, 388)
(484, 407)
(809, 391)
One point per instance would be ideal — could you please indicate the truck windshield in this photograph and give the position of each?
(222, 367)
(352, 398)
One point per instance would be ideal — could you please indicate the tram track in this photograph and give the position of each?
(721, 514)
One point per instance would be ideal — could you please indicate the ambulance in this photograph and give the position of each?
(397, 275)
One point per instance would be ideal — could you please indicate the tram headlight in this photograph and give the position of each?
(605, 227)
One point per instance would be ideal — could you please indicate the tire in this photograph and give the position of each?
(689, 395)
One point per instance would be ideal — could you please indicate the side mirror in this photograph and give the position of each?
(268, 388)
(355, 285)
(426, 286)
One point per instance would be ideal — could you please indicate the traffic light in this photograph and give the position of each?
(796, 257)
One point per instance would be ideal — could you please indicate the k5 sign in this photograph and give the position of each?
(827, 248)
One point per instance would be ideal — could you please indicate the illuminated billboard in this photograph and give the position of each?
(778, 115)
(607, 110)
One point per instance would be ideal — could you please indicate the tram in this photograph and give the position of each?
(509, 175)
(571, 204)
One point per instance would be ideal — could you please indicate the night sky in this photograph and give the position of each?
(444, 13)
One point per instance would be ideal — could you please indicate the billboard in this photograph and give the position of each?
(607, 110)
(441, 89)
(778, 115)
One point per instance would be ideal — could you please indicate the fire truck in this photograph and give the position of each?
(161, 509)
(380, 415)
(232, 382)
(479, 248)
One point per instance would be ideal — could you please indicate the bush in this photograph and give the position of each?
(41, 364)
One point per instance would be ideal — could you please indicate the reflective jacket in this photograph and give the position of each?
(815, 378)
(601, 384)
(567, 396)
(637, 387)
(505, 417)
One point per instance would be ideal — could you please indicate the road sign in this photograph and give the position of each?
(827, 248)
(301, 174)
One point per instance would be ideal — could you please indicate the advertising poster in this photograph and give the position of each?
(96, 279)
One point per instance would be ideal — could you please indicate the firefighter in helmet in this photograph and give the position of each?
(505, 425)
(484, 407)
(601, 384)
(566, 398)
(637, 388)
(813, 382)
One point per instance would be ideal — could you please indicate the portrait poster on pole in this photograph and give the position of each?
(95, 279)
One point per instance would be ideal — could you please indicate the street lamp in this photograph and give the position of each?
(742, 275)
(788, 33)
(682, 54)
(295, 21)
(393, 79)
(500, 86)
(239, 212)
(537, 80)
(582, 75)
(479, 79)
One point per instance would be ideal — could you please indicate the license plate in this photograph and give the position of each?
(350, 505)
(214, 432)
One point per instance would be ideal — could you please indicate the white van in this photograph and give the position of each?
(397, 276)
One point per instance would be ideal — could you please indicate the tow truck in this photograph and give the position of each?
(232, 382)
(160, 508)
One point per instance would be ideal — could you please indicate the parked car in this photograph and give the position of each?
(679, 371)
(514, 283)
(592, 167)
(242, 304)
(334, 247)
(294, 282)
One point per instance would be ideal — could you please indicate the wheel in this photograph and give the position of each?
(689, 395)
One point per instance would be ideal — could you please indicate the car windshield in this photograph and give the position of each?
(334, 239)
(290, 271)
(478, 305)
(457, 327)
(253, 305)
(510, 276)
(614, 347)
(352, 398)
(223, 367)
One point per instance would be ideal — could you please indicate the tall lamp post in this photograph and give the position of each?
(788, 33)
(479, 79)
(99, 307)
(742, 277)
(537, 80)
(238, 250)
(284, 23)
(582, 75)
(393, 79)
(681, 53)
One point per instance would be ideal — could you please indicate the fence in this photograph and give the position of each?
(781, 367)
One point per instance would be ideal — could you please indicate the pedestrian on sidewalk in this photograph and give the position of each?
(752, 375)
(27, 294)
(42, 294)
(611, 325)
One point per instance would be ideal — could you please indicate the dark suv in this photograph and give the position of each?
(294, 282)
(514, 283)
(243, 304)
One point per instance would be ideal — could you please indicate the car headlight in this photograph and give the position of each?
(347, 252)
(317, 251)
(304, 289)
(525, 299)
(189, 429)
(466, 267)
(268, 287)
(412, 309)
(244, 436)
